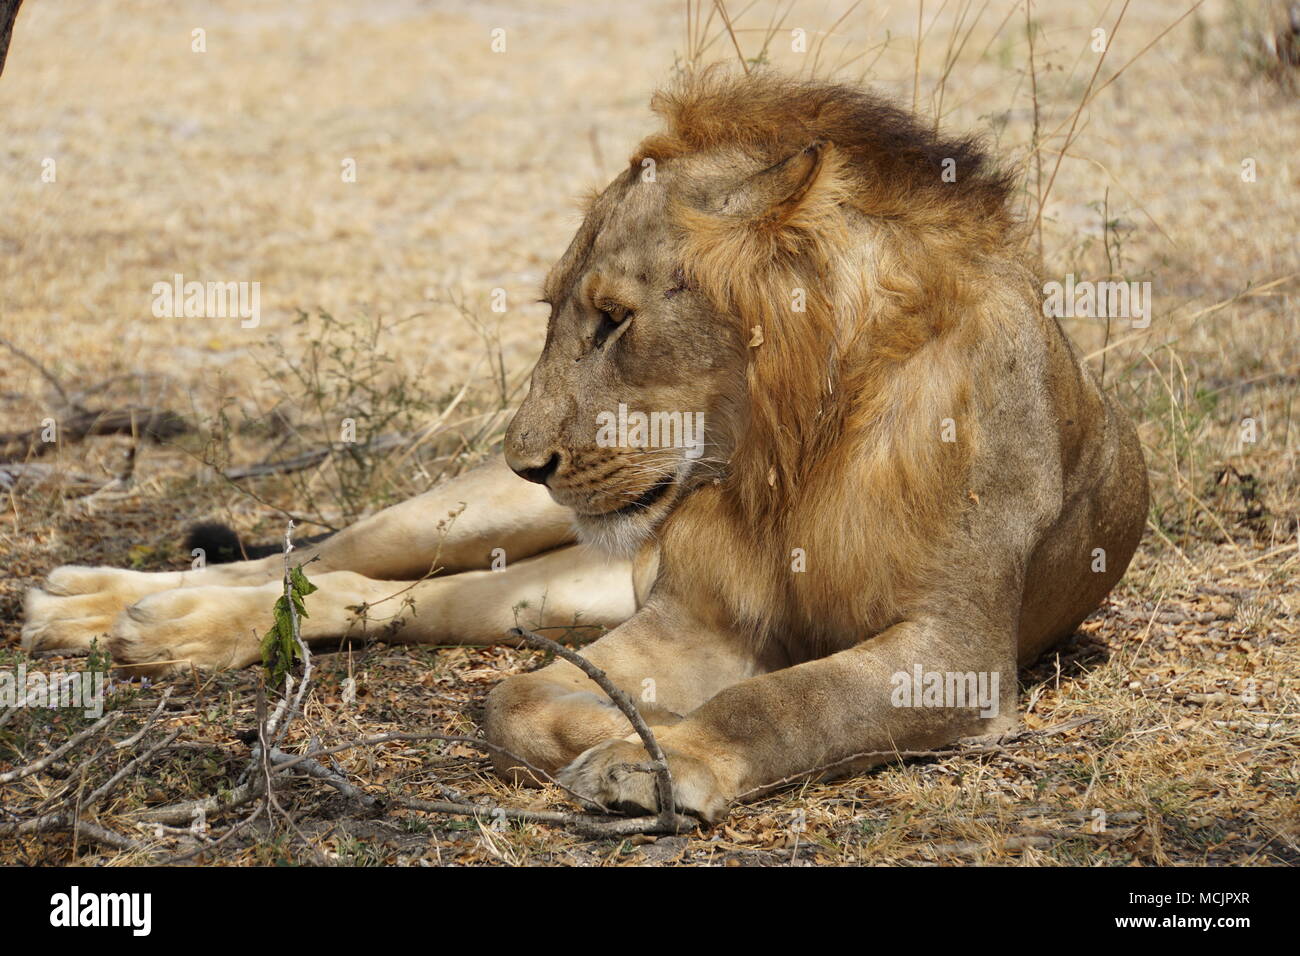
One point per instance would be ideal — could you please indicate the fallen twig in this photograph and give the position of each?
(474, 742)
(63, 820)
(135, 761)
(37, 766)
(588, 825)
(155, 423)
(186, 811)
(315, 769)
(136, 737)
(282, 762)
(659, 764)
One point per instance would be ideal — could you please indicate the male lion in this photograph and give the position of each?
(907, 481)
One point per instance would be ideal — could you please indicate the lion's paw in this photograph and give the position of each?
(65, 624)
(77, 605)
(188, 628)
(616, 774)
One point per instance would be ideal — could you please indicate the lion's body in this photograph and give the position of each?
(906, 469)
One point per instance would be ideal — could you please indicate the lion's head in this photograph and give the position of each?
(760, 267)
(627, 336)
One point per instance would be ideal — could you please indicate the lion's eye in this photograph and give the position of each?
(610, 320)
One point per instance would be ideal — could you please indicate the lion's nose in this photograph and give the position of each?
(537, 473)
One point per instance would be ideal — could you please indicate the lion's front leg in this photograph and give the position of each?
(666, 662)
(915, 686)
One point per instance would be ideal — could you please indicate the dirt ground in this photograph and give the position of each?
(127, 156)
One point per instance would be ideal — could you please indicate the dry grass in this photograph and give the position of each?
(225, 165)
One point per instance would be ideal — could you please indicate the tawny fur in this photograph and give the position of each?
(789, 259)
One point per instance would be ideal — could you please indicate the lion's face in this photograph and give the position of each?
(624, 413)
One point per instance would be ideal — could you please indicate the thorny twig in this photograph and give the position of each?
(65, 820)
(271, 760)
(38, 765)
(135, 737)
(659, 763)
(588, 825)
(271, 731)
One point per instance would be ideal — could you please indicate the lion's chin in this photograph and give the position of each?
(622, 531)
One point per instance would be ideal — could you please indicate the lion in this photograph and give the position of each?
(905, 485)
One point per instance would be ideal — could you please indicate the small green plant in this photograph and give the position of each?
(98, 660)
(280, 645)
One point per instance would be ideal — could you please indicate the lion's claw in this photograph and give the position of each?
(617, 774)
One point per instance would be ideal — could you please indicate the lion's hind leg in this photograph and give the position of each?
(494, 511)
(214, 628)
(76, 605)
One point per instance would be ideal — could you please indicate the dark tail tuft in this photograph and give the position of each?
(221, 545)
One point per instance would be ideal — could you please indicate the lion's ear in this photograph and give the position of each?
(774, 193)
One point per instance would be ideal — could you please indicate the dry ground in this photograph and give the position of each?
(225, 165)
